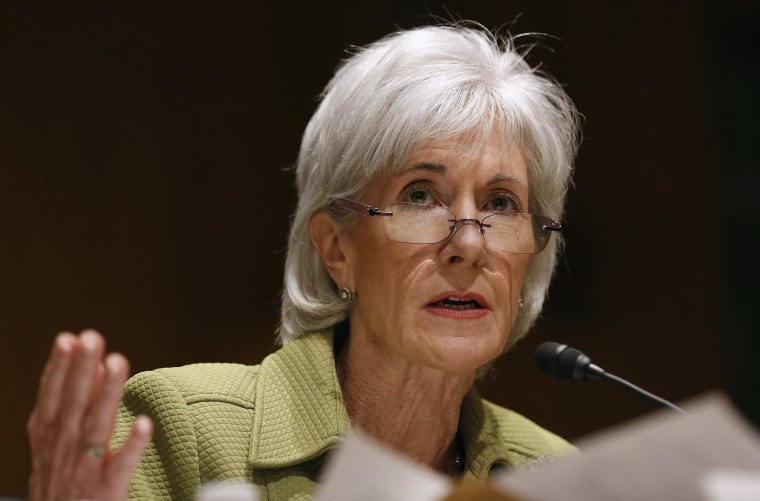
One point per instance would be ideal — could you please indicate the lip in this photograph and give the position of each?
(457, 314)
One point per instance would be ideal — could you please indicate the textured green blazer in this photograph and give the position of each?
(273, 425)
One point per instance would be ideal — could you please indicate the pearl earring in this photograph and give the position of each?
(345, 294)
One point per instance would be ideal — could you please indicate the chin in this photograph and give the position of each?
(459, 352)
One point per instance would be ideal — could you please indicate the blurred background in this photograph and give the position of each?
(145, 190)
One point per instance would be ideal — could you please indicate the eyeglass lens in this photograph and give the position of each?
(425, 224)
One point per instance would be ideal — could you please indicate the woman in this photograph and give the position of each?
(430, 183)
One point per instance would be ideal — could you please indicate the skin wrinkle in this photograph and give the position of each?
(404, 370)
(411, 405)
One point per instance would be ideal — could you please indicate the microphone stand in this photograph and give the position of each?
(641, 392)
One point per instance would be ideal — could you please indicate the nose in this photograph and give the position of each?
(466, 244)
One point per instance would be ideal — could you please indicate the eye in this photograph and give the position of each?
(503, 202)
(421, 194)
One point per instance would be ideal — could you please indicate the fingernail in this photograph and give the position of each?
(112, 366)
(64, 343)
(90, 339)
(144, 425)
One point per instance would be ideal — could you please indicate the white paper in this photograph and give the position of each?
(362, 469)
(662, 456)
(226, 491)
(731, 485)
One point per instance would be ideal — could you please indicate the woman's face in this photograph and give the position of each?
(401, 287)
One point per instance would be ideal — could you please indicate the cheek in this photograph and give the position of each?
(388, 273)
(402, 277)
(512, 277)
(518, 265)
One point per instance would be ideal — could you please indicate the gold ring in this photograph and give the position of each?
(95, 451)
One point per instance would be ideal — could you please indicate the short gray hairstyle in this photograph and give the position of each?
(430, 83)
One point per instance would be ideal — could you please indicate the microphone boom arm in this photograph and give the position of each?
(564, 362)
(641, 392)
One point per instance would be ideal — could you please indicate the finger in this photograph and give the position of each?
(54, 377)
(99, 422)
(82, 375)
(41, 424)
(77, 389)
(97, 382)
(124, 461)
(37, 486)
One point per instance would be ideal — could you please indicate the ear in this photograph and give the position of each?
(328, 239)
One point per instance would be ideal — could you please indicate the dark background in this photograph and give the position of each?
(144, 188)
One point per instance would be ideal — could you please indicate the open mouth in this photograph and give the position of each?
(452, 303)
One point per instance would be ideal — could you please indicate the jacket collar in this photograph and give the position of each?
(299, 414)
(299, 410)
(495, 437)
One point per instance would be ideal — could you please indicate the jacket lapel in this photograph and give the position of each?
(299, 410)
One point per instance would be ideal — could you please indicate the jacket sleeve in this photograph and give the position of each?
(169, 467)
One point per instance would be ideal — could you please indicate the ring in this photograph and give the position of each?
(95, 451)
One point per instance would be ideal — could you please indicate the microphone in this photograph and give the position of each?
(564, 362)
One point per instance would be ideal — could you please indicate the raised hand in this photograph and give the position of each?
(72, 422)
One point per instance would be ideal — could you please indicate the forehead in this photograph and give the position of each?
(492, 158)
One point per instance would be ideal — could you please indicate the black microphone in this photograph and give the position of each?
(564, 362)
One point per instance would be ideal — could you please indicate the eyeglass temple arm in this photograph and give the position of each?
(367, 210)
(553, 226)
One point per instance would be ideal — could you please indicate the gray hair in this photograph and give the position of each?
(424, 84)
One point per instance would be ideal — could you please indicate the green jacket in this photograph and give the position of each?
(273, 425)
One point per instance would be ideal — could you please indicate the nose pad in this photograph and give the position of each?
(465, 245)
(457, 227)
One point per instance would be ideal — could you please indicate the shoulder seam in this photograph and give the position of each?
(226, 399)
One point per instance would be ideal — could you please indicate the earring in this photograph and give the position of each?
(520, 303)
(345, 294)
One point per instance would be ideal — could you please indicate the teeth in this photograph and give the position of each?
(456, 303)
(468, 305)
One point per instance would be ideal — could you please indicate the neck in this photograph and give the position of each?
(413, 409)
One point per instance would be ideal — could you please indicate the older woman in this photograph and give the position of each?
(431, 181)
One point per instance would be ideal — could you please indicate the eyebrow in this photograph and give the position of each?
(501, 178)
(426, 166)
(441, 169)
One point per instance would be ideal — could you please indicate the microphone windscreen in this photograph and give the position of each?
(546, 356)
(561, 361)
(572, 365)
